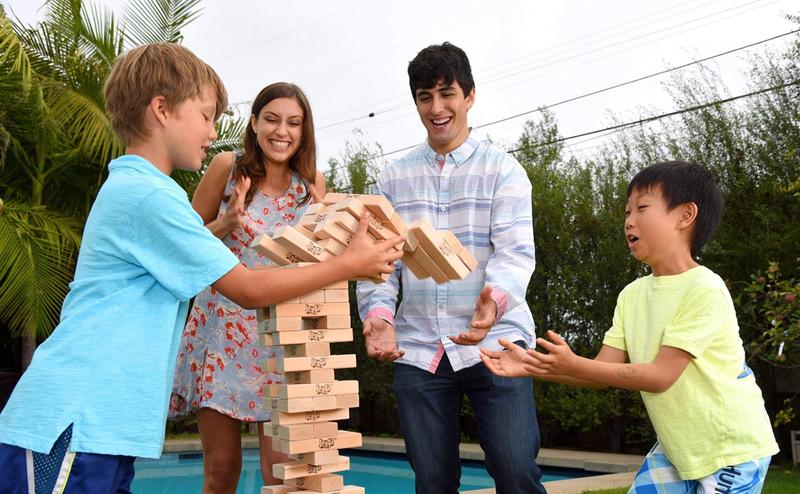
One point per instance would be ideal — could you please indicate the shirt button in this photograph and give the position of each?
(443, 208)
(441, 306)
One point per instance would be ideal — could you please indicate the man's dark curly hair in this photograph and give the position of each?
(445, 62)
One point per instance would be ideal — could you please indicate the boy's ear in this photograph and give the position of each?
(688, 214)
(159, 109)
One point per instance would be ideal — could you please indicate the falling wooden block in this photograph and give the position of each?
(310, 376)
(309, 234)
(288, 391)
(344, 220)
(376, 204)
(330, 229)
(466, 256)
(355, 208)
(274, 251)
(342, 440)
(311, 335)
(285, 418)
(310, 221)
(292, 364)
(424, 260)
(319, 483)
(332, 245)
(308, 310)
(318, 457)
(294, 469)
(411, 244)
(415, 267)
(317, 207)
(439, 251)
(396, 224)
(295, 242)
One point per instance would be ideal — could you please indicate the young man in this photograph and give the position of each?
(96, 393)
(484, 196)
(677, 328)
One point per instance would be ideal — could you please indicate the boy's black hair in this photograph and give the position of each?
(435, 63)
(682, 182)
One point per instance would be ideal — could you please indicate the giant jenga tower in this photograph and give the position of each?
(305, 409)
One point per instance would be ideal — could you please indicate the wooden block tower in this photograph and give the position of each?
(306, 407)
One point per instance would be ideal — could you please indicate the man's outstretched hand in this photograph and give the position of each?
(482, 319)
(380, 340)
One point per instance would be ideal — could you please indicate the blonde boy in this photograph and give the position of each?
(675, 338)
(99, 386)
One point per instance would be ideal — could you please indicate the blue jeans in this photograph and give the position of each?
(508, 432)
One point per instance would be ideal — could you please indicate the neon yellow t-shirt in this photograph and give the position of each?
(713, 416)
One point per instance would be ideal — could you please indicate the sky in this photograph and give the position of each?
(351, 56)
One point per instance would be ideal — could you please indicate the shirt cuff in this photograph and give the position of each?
(501, 300)
(381, 313)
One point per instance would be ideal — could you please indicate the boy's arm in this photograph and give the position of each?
(654, 377)
(262, 287)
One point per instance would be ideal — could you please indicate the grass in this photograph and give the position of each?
(780, 480)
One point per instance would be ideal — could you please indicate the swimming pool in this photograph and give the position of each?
(379, 473)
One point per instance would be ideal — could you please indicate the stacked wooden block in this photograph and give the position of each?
(306, 407)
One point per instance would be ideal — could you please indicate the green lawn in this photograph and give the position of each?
(780, 480)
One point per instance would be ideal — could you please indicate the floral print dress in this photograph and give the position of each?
(221, 364)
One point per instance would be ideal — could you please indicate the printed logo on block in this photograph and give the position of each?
(311, 309)
(327, 443)
(313, 248)
(312, 416)
(319, 362)
(445, 248)
(292, 258)
(316, 334)
(313, 468)
(323, 389)
(274, 429)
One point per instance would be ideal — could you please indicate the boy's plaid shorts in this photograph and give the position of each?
(658, 476)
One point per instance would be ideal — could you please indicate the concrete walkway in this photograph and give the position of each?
(618, 469)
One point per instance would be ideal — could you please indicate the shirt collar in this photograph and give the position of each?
(458, 156)
(138, 164)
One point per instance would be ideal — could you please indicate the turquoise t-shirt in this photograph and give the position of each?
(108, 366)
(713, 415)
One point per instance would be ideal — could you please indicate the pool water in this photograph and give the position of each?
(379, 473)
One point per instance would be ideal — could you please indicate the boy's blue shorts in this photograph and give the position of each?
(658, 476)
(62, 471)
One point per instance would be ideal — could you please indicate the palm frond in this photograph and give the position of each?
(102, 37)
(36, 252)
(152, 21)
(12, 50)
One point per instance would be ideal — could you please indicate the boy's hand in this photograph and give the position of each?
(366, 258)
(380, 340)
(482, 319)
(560, 360)
(514, 361)
(232, 217)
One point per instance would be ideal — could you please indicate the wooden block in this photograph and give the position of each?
(315, 208)
(294, 469)
(318, 457)
(339, 285)
(414, 266)
(348, 489)
(308, 310)
(352, 206)
(312, 349)
(347, 401)
(330, 229)
(344, 220)
(342, 440)
(427, 264)
(299, 337)
(309, 221)
(319, 483)
(466, 256)
(285, 418)
(297, 432)
(268, 324)
(332, 322)
(310, 376)
(309, 234)
(333, 246)
(291, 364)
(396, 224)
(289, 391)
(274, 251)
(278, 489)
(411, 244)
(334, 197)
(332, 295)
(294, 241)
(440, 252)
(378, 206)
(314, 297)
(298, 405)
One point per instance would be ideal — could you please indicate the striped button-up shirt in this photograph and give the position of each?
(483, 195)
